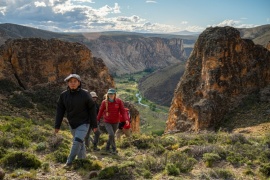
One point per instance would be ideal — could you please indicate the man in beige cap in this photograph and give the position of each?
(80, 110)
(97, 133)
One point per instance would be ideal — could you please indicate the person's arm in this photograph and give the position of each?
(60, 112)
(122, 110)
(101, 110)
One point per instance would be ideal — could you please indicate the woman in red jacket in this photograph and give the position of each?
(110, 109)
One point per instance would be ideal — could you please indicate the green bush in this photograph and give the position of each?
(147, 174)
(124, 143)
(108, 172)
(19, 142)
(210, 158)
(86, 164)
(172, 170)
(21, 160)
(235, 159)
(265, 169)
(221, 174)
(3, 152)
(182, 161)
(168, 141)
(60, 155)
(5, 142)
(158, 149)
(41, 146)
(144, 142)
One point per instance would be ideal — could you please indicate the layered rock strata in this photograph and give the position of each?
(222, 70)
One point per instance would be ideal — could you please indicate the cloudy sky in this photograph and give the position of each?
(155, 16)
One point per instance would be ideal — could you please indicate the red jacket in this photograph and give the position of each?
(112, 113)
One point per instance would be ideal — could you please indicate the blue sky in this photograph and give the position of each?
(154, 16)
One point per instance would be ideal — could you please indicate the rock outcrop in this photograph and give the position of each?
(135, 117)
(222, 70)
(34, 62)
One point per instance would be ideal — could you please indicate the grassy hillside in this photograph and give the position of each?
(239, 150)
(29, 150)
(159, 86)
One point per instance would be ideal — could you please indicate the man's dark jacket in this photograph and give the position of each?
(79, 106)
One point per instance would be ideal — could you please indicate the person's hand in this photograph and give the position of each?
(127, 122)
(95, 129)
(56, 131)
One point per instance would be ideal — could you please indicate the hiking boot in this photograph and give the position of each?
(67, 166)
(114, 151)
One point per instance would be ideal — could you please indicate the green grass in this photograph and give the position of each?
(142, 156)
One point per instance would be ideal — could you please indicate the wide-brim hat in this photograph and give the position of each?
(73, 76)
(93, 94)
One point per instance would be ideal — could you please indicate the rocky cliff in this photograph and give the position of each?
(129, 54)
(32, 73)
(33, 61)
(222, 70)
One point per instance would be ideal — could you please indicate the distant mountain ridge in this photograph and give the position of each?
(122, 52)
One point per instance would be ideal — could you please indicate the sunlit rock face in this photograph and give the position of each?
(221, 71)
(31, 62)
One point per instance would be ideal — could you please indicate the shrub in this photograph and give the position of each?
(265, 169)
(210, 158)
(168, 141)
(20, 101)
(158, 149)
(198, 151)
(147, 174)
(41, 146)
(144, 142)
(235, 158)
(172, 170)
(46, 167)
(124, 143)
(221, 174)
(7, 86)
(21, 160)
(5, 142)
(3, 152)
(108, 172)
(60, 155)
(19, 142)
(86, 164)
(182, 161)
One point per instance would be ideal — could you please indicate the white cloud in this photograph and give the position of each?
(268, 19)
(151, 1)
(234, 23)
(40, 4)
(78, 16)
(83, 1)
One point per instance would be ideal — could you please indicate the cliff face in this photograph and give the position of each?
(38, 62)
(134, 53)
(221, 71)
